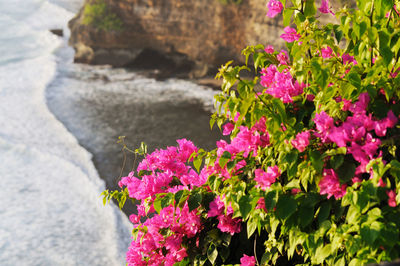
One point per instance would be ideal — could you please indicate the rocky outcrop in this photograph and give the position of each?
(195, 33)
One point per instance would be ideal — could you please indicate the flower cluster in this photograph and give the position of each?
(224, 215)
(280, 84)
(356, 132)
(160, 168)
(152, 247)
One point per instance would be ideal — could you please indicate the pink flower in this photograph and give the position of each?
(280, 84)
(310, 97)
(323, 122)
(229, 225)
(301, 141)
(269, 49)
(294, 191)
(134, 218)
(290, 35)
(381, 183)
(261, 204)
(324, 8)
(228, 127)
(186, 148)
(326, 52)
(283, 57)
(217, 207)
(274, 8)
(247, 260)
(266, 179)
(392, 198)
(330, 185)
(348, 59)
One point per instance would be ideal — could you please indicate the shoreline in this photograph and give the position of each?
(97, 104)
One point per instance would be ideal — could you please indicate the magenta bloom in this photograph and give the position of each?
(348, 59)
(280, 84)
(261, 204)
(269, 49)
(228, 224)
(392, 198)
(330, 185)
(283, 57)
(247, 260)
(217, 207)
(266, 179)
(324, 8)
(228, 127)
(326, 52)
(301, 141)
(274, 8)
(290, 34)
(323, 122)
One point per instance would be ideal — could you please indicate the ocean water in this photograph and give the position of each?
(50, 209)
(59, 123)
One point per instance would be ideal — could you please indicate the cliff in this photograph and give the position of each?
(187, 33)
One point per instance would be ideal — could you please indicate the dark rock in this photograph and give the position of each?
(58, 32)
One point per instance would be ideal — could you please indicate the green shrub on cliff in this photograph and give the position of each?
(97, 14)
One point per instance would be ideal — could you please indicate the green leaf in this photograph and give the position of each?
(309, 9)
(306, 215)
(369, 234)
(346, 171)
(167, 200)
(387, 55)
(194, 200)
(355, 262)
(324, 211)
(251, 227)
(353, 215)
(354, 78)
(322, 253)
(212, 253)
(245, 206)
(179, 195)
(197, 163)
(338, 33)
(182, 262)
(340, 262)
(157, 204)
(316, 160)
(360, 28)
(320, 74)
(336, 161)
(287, 16)
(270, 199)
(285, 207)
(226, 156)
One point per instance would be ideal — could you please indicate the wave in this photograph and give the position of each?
(51, 210)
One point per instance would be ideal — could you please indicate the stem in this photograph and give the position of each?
(255, 250)
(390, 15)
(123, 163)
(371, 22)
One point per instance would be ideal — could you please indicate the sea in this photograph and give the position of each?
(59, 128)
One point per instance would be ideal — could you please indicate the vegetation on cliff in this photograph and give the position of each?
(97, 14)
(311, 174)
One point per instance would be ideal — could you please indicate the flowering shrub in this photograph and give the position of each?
(310, 174)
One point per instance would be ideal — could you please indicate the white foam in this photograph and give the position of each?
(51, 212)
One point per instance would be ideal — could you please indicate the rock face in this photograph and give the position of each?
(201, 34)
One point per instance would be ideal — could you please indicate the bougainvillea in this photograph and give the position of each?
(310, 174)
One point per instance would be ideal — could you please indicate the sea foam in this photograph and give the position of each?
(51, 212)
